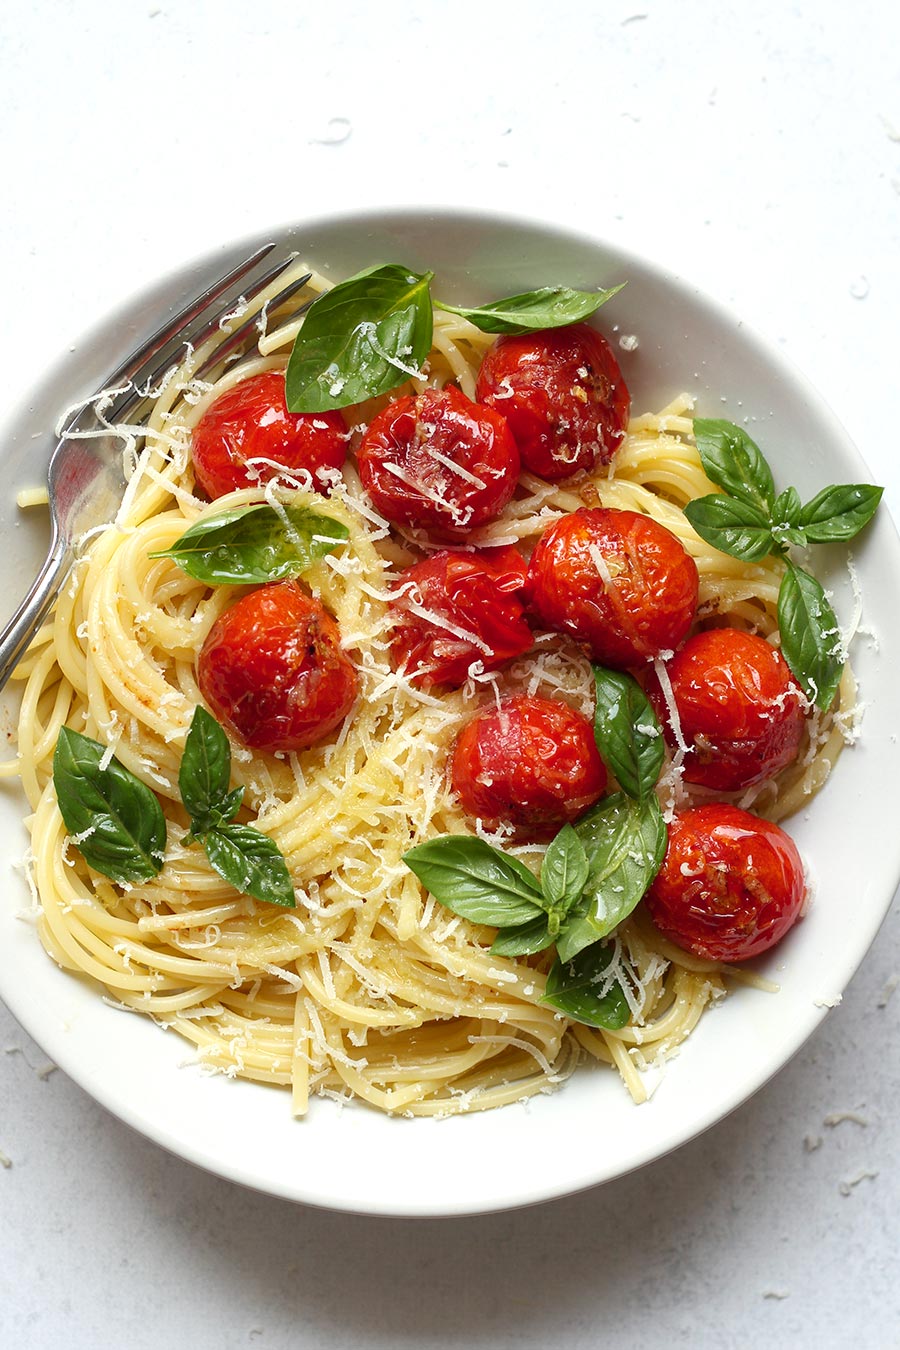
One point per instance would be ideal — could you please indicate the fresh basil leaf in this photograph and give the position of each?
(524, 940)
(364, 337)
(732, 526)
(734, 462)
(251, 862)
(252, 545)
(564, 870)
(627, 732)
(548, 307)
(839, 512)
(786, 507)
(205, 774)
(625, 842)
(810, 636)
(114, 819)
(475, 880)
(582, 990)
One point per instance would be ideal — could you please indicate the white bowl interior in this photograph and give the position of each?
(589, 1131)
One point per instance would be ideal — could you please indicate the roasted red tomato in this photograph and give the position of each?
(617, 581)
(248, 437)
(438, 461)
(731, 885)
(532, 762)
(740, 708)
(272, 669)
(563, 395)
(453, 609)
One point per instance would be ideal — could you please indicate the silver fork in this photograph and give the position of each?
(86, 479)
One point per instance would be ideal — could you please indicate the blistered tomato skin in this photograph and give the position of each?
(617, 581)
(474, 614)
(439, 462)
(741, 711)
(247, 437)
(562, 392)
(532, 762)
(731, 885)
(273, 672)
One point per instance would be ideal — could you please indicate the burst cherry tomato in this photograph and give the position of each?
(617, 581)
(474, 612)
(740, 708)
(731, 885)
(247, 436)
(272, 669)
(532, 762)
(438, 461)
(563, 395)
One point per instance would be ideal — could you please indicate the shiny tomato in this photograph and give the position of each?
(247, 437)
(532, 762)
(741, 710)
(563, 395)
(731, 885)
(617, 581)
(273, 672)
(454, 609)
(438, 461)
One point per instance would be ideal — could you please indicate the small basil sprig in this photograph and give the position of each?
(119, 826)
(242, 855)
(748, 521)
(627, 732)
(582, 989)
(548, 307)
(252, 545)
(362, 338)
(373, 331)
(114, 819)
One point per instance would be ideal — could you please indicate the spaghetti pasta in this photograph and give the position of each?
(369, 989)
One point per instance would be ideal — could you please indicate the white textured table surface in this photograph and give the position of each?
(755, 148)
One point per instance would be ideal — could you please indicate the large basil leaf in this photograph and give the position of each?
(205, 773)
(364, 337)
(625, 841)
(470, 877)
(839, 512)
(252, 545)
(251, 862)
(735, 462)
(548, 307)
(116, 821)
(627, 732)
(575, 987)
(731, 525)
(810, 636)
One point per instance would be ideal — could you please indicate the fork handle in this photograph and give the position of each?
(34, 608)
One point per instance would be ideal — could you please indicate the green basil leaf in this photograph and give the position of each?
(625, 841)
(735, 462)
(252, 545)
(786, 508)
(114, 819)
(627, 732)
(524, 940)
(251, 862)
(839, 512)
(364, 337)
(810, 636)
(582, 990)
(205, 774)
(731, 526)
(475, 880)
(548, 307)
(564, 870)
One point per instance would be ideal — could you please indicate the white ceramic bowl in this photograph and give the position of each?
(589, 1131)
